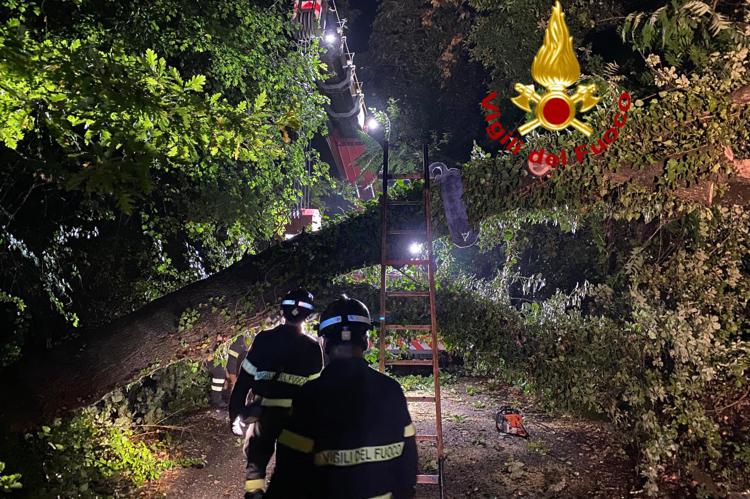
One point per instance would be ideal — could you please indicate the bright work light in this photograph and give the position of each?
(373, 124)
(416, 248)
(330, 38)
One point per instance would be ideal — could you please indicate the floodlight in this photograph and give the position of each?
(373, 124)
(416, 248)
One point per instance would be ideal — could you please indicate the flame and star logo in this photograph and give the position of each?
(556, 68)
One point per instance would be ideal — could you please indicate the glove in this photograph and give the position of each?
(239, 427)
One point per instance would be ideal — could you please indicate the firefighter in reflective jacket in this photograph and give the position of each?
(223, 379)
(350, 435)
(279, 362)
(218, 381)
(235, 355)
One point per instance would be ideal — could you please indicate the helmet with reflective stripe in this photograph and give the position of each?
(345, 320)
(297, 305)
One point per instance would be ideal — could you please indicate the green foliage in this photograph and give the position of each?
(688, 31)
(9, 483)
(538, 447)
(661, 348)
(417, 382)
(132, 115)
(89, 455)
(188, 318)
(110, 448)
(507, 35)
(154, 143)
(684, 381)
(457, 418)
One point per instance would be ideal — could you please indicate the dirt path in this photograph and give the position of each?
(563, 457)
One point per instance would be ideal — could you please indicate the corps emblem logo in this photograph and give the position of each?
(556, 69)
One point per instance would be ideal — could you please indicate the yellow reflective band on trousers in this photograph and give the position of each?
(296, 441)
(389, 495)
(255, 485)
(353, 457)
(217, 388)
(276, 403)
(409, 430)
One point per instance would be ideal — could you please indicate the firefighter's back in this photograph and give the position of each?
(281, 360)
(361, 426)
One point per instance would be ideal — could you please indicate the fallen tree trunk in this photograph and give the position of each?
(241, 296)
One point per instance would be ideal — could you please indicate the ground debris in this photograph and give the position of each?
(481, 463)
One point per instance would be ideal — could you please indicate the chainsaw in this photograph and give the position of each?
(509, 420)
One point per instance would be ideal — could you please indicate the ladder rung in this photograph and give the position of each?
(417, 398)
(408, 362)
(413, 327)
(428, 479)
(401, 263)
(407, 232)
(404, 176)
(407, 294)
(405, 202)
(423, 438)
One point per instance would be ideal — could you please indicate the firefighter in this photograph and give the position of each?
(235, 356)
(218, 380)
(350, 435)
(279, 362)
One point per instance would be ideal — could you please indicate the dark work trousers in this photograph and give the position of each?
(261, 444)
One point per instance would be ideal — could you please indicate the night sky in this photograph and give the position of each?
(361, 23)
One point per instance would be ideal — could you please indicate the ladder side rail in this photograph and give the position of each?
(383, 256)
(433, 311)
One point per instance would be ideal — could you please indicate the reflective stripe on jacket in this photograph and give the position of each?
(350, 437)
(279, 362)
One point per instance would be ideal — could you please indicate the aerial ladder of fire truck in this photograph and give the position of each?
(347, 112)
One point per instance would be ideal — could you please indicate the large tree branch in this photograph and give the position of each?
(81, 372)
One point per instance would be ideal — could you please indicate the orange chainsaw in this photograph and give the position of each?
(509, 420)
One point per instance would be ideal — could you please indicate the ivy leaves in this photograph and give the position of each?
(118, 116)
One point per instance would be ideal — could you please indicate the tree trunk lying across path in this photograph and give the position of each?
(81, 372)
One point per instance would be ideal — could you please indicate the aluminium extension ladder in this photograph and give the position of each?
(386, 325)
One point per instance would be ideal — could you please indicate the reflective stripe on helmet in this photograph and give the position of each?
(296, 441)
(255, 485)
(358, 318)
(293, 303)
(353, 457)
(339, 318)
(330, 322)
